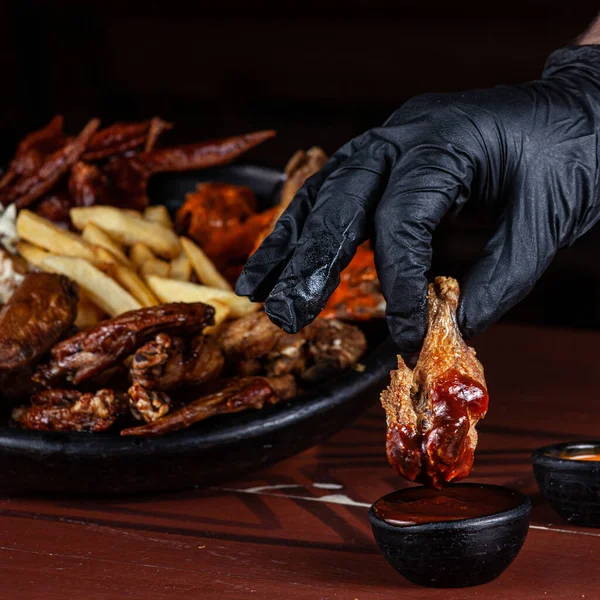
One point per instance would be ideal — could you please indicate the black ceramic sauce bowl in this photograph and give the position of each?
(572, 487)
(456, 553)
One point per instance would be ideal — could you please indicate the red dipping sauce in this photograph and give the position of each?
(416, 506)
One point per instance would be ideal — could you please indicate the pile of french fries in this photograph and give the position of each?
(124, 260)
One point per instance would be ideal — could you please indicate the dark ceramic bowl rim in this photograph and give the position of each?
(523, 509)
(545, 456)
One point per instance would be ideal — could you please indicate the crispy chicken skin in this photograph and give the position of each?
(71, 410)
(95, 350)
(432, 411)
(37, 315)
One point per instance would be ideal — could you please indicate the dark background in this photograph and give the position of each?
(319, 72)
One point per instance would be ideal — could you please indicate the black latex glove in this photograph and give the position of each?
(529, 152)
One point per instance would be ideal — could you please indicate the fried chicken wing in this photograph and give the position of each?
(92, 351)
(168, 362)
(121, 138)
(71, 410)
(238, 395)
(38, 314)
(432, 411)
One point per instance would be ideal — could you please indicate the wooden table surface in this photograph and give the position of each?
(299, 529)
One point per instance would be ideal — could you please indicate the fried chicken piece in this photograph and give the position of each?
(95, 350)
(56, 206)
(325, 347)
(238, 395)
(432, 411)
(88, 185)
(38, 314)
(25, 189)
(333, 347)
(71, 410)
(168, 362)
(221, 218)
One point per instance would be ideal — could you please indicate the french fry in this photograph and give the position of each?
(127, 229)
(155, 266)
(105, 260)
(94, 235)
(134, 213)
(158, 213)
(171, 290)
(105, 292)
(203, 267)
(139, 254)
(88, 314)
(181, 268)
(42, 232)
(135, 285)
(34, 255)
(222, 311)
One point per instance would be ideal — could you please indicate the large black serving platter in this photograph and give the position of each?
(215, 450)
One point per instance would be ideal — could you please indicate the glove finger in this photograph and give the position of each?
(519, 251)
(418, 195)
(263, 268)
(338, 223)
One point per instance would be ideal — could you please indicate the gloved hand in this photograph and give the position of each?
(529, 152)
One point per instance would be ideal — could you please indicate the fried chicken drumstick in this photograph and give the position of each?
(432, 411)
(95, 350)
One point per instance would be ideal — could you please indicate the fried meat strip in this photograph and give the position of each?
(237, 395)
(120, 138)
(432, 411)
(71, 410)
(128, 176)
(33, 150)
(38, 314)
(28, 188)
(92, 351)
